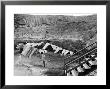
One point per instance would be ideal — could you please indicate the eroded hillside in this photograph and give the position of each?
(60, 28)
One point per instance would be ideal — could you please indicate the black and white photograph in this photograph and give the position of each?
(55, 45)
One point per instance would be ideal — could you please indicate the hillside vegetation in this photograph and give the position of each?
(70, 32)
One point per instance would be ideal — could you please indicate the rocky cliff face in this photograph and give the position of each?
(55, 27)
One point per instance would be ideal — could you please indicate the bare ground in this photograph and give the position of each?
(34, 67)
